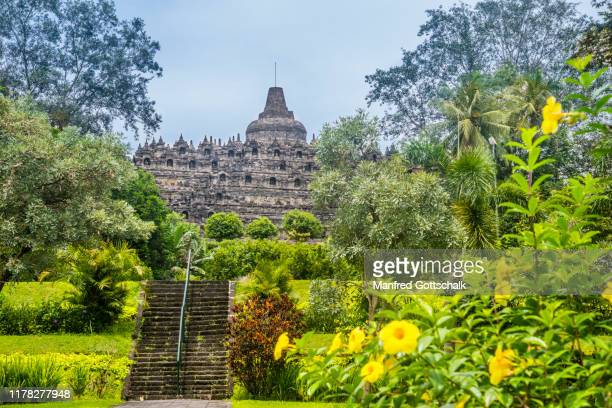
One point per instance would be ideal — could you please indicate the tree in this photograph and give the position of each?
(261, 228)
(471, 179)
(383, 206)
(597, 40)
(461, 40)
(349, 140)
(192, 251)
(56, 190)
(142, 193)
(302, 225)
(99, 275)
(474, 116)
(79, 62)
(224, 225)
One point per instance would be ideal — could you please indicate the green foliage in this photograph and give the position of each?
(461, 40)
(17, 371)
(46, 317)
(473, 115)
(79, 380)
(426, 154)
(471, 179)
(567, 226)
(335, 304)
(57, 191)
(346, 142)
(223, 225)
(261, 228)
(142, 193)
(99, 276)
(269, 279)
(193, 251)
(234, 258)
(254, 328)
(559, 357)
(302, 225)
(384, 206)
(173, 229)
(90, 372)
(80, 62)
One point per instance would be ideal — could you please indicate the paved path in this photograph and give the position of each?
(178, 403)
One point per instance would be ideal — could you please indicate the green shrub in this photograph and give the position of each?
(224, 225)
(97, 375)
(254, 328)
(302, 225)
(335, 304)
(99, 276)
(314, 261)
(46, 317)
(78, 380)
(18, 371)
(262, 228)
(233, 258)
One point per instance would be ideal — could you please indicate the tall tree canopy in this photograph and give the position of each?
(529, 34)
(79, 62)
(56, 189)
(349, 140)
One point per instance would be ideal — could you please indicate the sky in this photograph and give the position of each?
(218, 57)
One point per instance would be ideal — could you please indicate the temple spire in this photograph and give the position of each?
(276, 107)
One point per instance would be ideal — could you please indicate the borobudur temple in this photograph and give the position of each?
(266, 174)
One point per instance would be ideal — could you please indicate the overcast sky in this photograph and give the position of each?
(218, 57)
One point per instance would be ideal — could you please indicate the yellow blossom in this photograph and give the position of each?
(501, 365)
(372, 371)
(317, 359)
(462, 402)
(282, 344)
(336, 343)
(607, 293)
(425, 397)
(399, 336)
(356, 339)
(552, 113)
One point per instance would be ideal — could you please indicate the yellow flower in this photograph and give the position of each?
(425, 397)
(501, 365)
(372, 371)
(282, 344)
(607, 293)
(336, 343)
(552, 113)
(356, 337)
(462, 402)
(399, 336)
(317, 359)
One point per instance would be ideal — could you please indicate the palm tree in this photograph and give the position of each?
(471, 111)
(193, 251)
(526, 97)
(471, 179)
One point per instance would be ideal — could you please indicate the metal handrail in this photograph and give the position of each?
(181, 336)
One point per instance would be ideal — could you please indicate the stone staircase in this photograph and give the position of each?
(204, 372)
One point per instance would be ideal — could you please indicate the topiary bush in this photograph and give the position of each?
(254, 328)
(302, 225)
(224, 225)
(261, 228)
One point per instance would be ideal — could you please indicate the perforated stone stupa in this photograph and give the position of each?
(267, 174)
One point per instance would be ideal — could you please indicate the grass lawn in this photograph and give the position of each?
(114, 344)
(300, 290)
(318, 340)
(74, 404)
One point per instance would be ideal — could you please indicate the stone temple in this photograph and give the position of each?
(266, 174)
